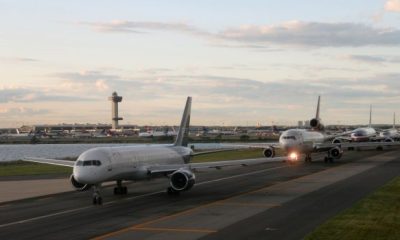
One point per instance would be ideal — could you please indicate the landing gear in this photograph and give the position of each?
(328, 159)
(97, 200)
(120, 190)
(308, 158)
(172, 192)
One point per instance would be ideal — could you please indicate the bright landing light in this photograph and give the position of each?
(293, 156)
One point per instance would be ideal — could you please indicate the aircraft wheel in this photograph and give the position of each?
(97, 200)
(326, 159)
(124, 190)
(171, 191)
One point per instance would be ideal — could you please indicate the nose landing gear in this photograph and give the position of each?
(308, 158)
(97, 200)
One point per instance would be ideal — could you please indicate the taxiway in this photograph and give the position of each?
(273, 200)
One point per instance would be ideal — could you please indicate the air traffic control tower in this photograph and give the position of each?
(115, 99)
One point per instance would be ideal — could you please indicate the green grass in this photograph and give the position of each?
(20, 168)
(375, 217)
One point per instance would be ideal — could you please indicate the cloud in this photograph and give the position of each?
(392, 6)
(19, 60)
(314, 34)
(142, 27)
(373, 59)
(293, 33)
(28, 95)
(22, 111)
(101, 85)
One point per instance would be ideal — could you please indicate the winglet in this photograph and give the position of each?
(317, 114)
(370, 116)
(183, 133)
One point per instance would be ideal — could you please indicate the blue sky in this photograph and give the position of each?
(244, 62)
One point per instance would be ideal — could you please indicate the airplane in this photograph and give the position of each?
(102, 164)
(303, 141)
(16, 134)
(390, 134)
(369, 134)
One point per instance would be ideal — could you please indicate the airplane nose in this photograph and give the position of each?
(84, 175)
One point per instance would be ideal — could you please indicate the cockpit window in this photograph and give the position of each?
(96, 163)
(89, 163)
(289, 137)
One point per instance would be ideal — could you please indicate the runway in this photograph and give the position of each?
(235, 203)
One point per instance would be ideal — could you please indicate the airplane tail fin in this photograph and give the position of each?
(370, 116)
(394, 120)
(317, 113)
(183, 134)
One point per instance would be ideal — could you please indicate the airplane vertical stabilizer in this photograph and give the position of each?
(394, 120)
(317, 113)
(183, 133)
(370, 116)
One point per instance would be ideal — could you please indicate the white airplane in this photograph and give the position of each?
(370, 134)
(102, 164)
(390, 134)
(302, 141)
(16, 134)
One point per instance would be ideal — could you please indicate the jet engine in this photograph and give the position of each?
(77, 185)
(388, 140)
(336, 152)
(269, 152)
(316, 124)
(337, 140)
(182, 180)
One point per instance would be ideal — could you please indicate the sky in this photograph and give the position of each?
(243, 62)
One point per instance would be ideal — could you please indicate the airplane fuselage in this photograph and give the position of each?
(363, 134)
(126, 163)
(300, 140)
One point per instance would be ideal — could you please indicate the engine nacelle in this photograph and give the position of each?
(337, 140)
(316, 124)
(269, 152)
(336, 152)
(182, 180)
(388, 140)
(77, 185)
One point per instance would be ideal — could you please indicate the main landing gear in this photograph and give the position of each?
(120, 190)
(308, 158)
(97, 200)
(328, 158)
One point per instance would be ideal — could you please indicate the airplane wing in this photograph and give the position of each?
(58, 162)
(214, 151)
(253, 145)
(157, 169)
(327, 146)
